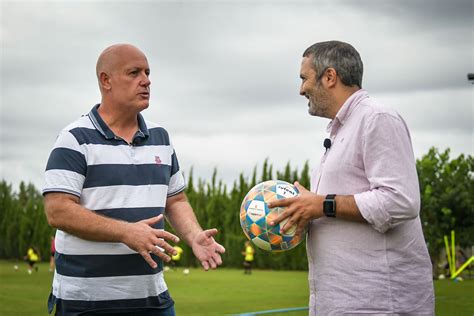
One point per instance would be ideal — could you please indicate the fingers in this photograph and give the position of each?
(209, 253)
(280, 218)
(147, 241)
(217, 258)
(164, 245)
(167, 235)
(213, 262)
(281, 202)
(159, 241)
(290, 223)
(220, 248)
(211, 233)
(300, 188)
(287, 201)
(162, 255)
(148, 259)
(298, 220)
(154, 249)
(153, 220)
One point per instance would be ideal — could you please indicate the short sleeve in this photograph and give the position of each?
(177, 183)
(67, 166)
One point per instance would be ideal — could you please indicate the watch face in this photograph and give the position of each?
(328, 208)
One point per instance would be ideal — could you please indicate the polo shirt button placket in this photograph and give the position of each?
(132, 150)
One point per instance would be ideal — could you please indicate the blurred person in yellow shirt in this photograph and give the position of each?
(32, 257)
(248, 254)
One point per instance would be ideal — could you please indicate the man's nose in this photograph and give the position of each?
(302, 93)
(145, 81)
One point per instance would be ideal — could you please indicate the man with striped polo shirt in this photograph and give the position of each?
(110, 179)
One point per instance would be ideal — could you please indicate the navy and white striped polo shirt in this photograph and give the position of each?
(118, 180)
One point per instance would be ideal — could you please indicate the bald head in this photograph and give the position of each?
(123, 74)
(113, 56)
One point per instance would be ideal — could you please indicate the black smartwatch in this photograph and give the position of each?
(329, 205)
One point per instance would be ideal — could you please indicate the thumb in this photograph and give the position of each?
(300, 188)
(210, 232)
(153, 220)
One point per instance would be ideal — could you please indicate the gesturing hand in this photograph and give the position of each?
(207, 250)
(144, 239)
(299, 209)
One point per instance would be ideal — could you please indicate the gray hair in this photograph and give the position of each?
(338, 55)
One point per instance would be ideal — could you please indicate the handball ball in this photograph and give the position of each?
(255, 217)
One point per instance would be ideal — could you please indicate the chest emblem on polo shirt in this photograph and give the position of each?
(158, 160)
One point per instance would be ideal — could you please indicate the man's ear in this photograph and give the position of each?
(104, 80)
(330, 77)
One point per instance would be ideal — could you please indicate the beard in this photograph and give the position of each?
(319, 103)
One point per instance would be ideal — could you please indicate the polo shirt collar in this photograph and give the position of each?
(347, 108)
(142, 129)
(102, 127)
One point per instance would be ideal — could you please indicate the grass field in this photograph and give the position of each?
(221, 292)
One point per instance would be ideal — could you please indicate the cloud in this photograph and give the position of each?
(225, 74)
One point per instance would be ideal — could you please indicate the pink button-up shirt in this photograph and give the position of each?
(383, 266)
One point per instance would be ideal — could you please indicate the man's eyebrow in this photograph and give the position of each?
(136, 68)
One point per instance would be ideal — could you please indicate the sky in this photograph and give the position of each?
(225, 75)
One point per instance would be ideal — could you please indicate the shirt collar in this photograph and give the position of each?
(347, 108)
(102, 127)
(142, 128)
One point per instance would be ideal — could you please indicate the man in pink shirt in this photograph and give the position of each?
(365, 244)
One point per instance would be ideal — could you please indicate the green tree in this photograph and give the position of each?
(8, 221)
(22, 221)
(447, 199)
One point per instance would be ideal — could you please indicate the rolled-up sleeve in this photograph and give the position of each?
(390, 168)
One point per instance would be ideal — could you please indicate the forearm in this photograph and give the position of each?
(346, 208)
(68, 215)
(181, 217)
